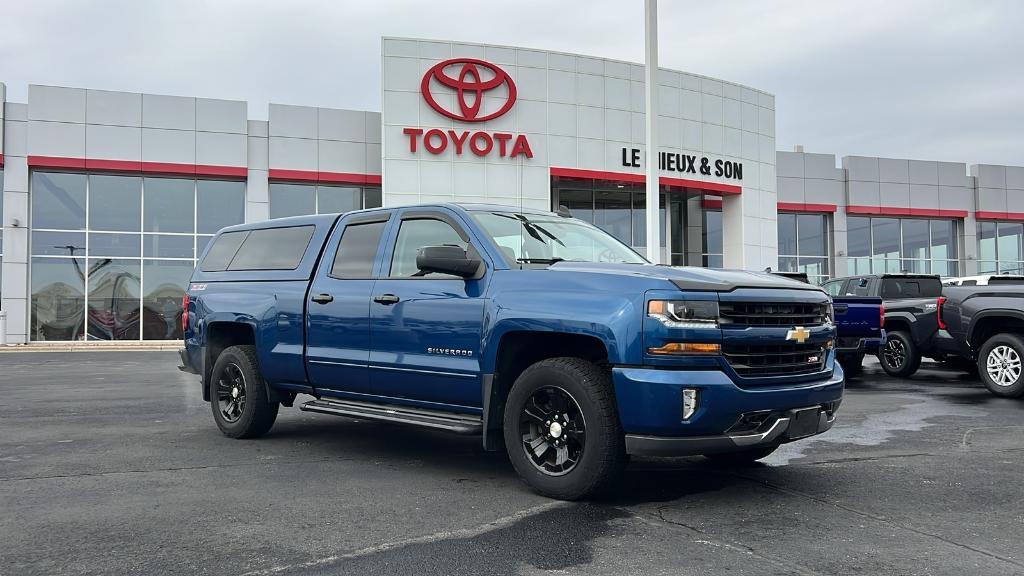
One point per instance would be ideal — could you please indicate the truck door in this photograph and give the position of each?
(425, 328)
(338, 310)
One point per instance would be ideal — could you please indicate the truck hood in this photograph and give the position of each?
(688, 277)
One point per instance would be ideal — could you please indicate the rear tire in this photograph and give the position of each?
(742, 457)
(899, 356)
(238, 394)
(562, 430)
(1000, 365)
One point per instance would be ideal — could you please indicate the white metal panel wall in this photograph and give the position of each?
(580, 112)
(324, 140)
(15, 199)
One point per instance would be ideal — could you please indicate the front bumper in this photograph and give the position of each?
(650, 411)
(774, 432)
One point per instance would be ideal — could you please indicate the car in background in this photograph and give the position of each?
(860, 326)
(984, 280)
(985, 325)
(910, 302)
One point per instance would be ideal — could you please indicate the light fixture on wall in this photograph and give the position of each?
(15, 223)
(840, 253)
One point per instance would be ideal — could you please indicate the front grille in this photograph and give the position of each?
(772, 314)
(758, 360)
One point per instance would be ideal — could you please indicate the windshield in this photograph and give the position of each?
(543, 238)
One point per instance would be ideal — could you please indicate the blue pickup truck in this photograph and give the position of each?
(537, 331)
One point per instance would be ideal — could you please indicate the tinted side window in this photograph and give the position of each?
(911, 288)
(273, 249)
(356, 250)
(834, 288)
(930, 287)
(222, 251)
(894, 288)
(859, 287)
(415, 234)
(969, 283)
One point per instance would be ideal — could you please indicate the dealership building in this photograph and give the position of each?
(109, 197)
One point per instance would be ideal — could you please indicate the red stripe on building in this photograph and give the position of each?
(711, 203)
(714, 188)
(803, 207)
(137, 167)
(283, 175)
(56, 162)
(1, 159)
(896, 211)
(990, 215)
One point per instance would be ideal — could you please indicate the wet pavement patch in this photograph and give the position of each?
(553, 540)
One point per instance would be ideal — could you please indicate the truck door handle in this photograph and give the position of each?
(840, 308)
(323, 298)
(386, 299)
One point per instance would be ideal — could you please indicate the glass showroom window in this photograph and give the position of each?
(893, 245)
(619, 209)
(1000, 247)
(803, 245)
(301, 199)
(112, 255)
(711, 239)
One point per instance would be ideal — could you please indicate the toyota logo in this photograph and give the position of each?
(469, 79)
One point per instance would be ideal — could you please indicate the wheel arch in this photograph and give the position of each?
(517, 350)
(219, 336)
(988, 323)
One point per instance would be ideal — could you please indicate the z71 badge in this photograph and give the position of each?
(450, 351)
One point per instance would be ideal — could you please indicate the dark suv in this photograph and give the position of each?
(911, 302)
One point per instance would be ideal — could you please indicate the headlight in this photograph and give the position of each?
(684, 313)
(830, 314)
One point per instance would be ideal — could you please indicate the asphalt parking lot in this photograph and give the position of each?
(110, 464)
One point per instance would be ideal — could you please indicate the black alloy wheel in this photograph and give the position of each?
(238, 394)
(895, 353)
(231, 393)
(554, 431)
(561, 429)
(899, 357)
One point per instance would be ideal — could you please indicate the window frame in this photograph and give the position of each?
(877, 264)
(826, 232)
(998, 262)
(381, 246)
(460, 230)
(83, 253)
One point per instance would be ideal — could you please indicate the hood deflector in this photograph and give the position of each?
(694, 285)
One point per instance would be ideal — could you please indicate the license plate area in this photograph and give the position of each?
(803, 423)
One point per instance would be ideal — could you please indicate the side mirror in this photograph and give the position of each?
(447, 260)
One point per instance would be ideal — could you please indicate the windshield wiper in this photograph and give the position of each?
(540, 260)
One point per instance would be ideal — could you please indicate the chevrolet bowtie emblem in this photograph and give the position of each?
(800, 334)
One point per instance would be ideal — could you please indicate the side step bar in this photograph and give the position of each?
(450, 421)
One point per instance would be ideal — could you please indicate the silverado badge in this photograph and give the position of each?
(800, 334)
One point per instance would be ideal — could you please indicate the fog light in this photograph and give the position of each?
(691, 398)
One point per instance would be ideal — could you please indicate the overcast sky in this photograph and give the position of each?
(928, 80)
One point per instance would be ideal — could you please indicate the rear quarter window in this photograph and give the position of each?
(894, 288)
(260, 249)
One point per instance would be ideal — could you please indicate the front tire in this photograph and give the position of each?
(899, 357)
(238, 394)
(1000, 365)
(562, 430)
